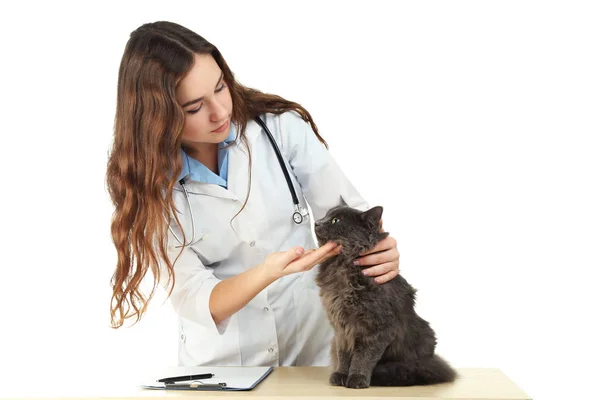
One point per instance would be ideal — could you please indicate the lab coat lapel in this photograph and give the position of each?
(237, 179)
(237, 171)
(239, 160)
(209, 189)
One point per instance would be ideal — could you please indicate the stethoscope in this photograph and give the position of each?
(299, 215)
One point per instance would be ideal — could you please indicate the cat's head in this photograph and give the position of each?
(350, 227)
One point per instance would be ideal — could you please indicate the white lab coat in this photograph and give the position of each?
(284, 324)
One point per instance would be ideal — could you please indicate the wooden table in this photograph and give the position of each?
(304, 383)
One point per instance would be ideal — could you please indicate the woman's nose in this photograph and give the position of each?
(219, 112)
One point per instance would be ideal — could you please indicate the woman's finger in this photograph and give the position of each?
(334, 252)
(380, 269)
(311, 258)
(386, 277)
(378, 258)
(337, 250)
(384, 244)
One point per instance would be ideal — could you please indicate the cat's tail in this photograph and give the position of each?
(425, 371)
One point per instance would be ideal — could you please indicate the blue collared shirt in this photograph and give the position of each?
(200, 173)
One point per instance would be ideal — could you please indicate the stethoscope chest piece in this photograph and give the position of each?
(297, 217)
(300, 212)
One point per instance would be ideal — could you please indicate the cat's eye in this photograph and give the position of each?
(335, 220)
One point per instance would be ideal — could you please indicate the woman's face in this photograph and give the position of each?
(206, 101)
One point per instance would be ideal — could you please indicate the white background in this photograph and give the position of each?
(475, 124)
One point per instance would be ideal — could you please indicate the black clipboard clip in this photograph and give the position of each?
(195, 385)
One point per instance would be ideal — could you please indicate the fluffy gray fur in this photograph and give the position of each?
(379, 338)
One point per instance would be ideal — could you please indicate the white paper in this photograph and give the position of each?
(234, 377)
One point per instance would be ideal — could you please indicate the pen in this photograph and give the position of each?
(195, 385)
(186, 378)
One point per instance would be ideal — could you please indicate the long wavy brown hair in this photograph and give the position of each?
(145, 160)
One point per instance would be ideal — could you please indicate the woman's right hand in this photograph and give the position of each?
(233, 293)
(297, 259)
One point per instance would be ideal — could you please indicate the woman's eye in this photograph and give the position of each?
(195, 111)
(335, 220)
(200, 108)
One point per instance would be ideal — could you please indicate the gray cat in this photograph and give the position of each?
(379, 338)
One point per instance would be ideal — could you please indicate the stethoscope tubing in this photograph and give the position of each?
(297, 216)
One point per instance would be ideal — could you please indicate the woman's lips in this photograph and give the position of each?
(222, 127)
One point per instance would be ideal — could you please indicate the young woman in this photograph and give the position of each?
(202, 201)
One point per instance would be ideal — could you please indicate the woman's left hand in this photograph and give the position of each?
(383, 261)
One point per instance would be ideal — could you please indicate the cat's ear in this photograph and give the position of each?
(343, 202)
(373, 215)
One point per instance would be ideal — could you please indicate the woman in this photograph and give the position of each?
(187, 150)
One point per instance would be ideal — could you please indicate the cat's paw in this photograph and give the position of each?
(357, 381)
(338, 379)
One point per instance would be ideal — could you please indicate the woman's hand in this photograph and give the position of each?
(297, 259)
(383, 260)
(233, 293)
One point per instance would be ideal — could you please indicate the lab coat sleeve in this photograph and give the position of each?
(193, 286)
(319, 175)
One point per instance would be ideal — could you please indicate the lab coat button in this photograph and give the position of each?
(270, 349)
(252, 243)
(266, 309)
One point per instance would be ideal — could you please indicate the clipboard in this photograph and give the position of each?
(224, 379)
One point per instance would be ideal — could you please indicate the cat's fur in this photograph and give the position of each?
(379, 338)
